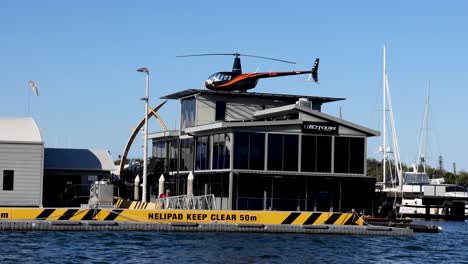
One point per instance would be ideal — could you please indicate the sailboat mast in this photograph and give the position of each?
(384, 120)
(423, 140)
(426, 125)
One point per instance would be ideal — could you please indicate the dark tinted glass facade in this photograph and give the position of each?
(357, 157)
(220, 111)
(257, 151)
(241, 150)
(316, 153)
(173, 154)
(165, 155)
(203, 153)
(188, 113)
(349, 155)
(186, 154)
(324, 154)
(221, 153)
(283, 152)
(249, 151)
(291, 152)
(160, 155)
(275, 152)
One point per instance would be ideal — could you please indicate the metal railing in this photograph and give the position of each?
(187, 202)
(271, 204)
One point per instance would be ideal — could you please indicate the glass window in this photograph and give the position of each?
(221, 155)
(203, 153)
(257, 151)
(160, 155)
(186, 154)
(8, 179)
(316, 154)
(324, 153)
(349, 155)
(220, 111)
(173, 153)
(249, 151)
(241, 150)
(309, 153)
(283, 152)
(291, 147)
(275, 152)
(216, 154)
(356, 159)
(188, 113)
(341, 154)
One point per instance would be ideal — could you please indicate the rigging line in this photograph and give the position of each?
(433, 120)
(396, 151)
(423, 139)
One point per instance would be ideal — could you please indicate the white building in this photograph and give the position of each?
(21, 162)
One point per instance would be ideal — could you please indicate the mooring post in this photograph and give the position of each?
(136, 188)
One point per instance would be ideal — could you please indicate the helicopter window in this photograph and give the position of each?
(227, 77)
(220, 77)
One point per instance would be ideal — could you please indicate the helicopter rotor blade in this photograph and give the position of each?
(267, 58)
(208, 54)
(236, 55)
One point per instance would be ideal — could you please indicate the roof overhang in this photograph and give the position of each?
(279, 111)
(249, 123)
(280, 97)
(294, 108)
(164, 134)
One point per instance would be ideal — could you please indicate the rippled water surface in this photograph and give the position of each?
(450, 246)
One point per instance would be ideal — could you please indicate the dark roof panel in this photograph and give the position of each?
(283, 97)
(77, 159)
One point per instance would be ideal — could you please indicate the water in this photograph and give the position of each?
(450, 246)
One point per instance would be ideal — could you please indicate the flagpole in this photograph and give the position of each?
(29, 102)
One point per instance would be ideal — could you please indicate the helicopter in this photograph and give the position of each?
(235, 80)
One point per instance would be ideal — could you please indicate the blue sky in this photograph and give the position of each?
(83, 56)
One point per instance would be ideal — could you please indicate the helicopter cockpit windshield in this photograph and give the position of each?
(220, 77)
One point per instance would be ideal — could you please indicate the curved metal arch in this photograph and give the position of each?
(161, 122)
(135, 132)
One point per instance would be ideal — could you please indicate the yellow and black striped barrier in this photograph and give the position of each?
(182, 216)
(128, 204)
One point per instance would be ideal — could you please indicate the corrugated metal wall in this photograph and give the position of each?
(27, 161)
(236, 108)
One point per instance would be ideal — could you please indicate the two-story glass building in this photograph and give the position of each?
(260, 151)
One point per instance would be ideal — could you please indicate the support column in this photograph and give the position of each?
(231, 186)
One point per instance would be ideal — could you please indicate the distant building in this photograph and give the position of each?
(260, 151)
(68, 174)
(21, 162)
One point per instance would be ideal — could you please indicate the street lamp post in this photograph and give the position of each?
(145, 144)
